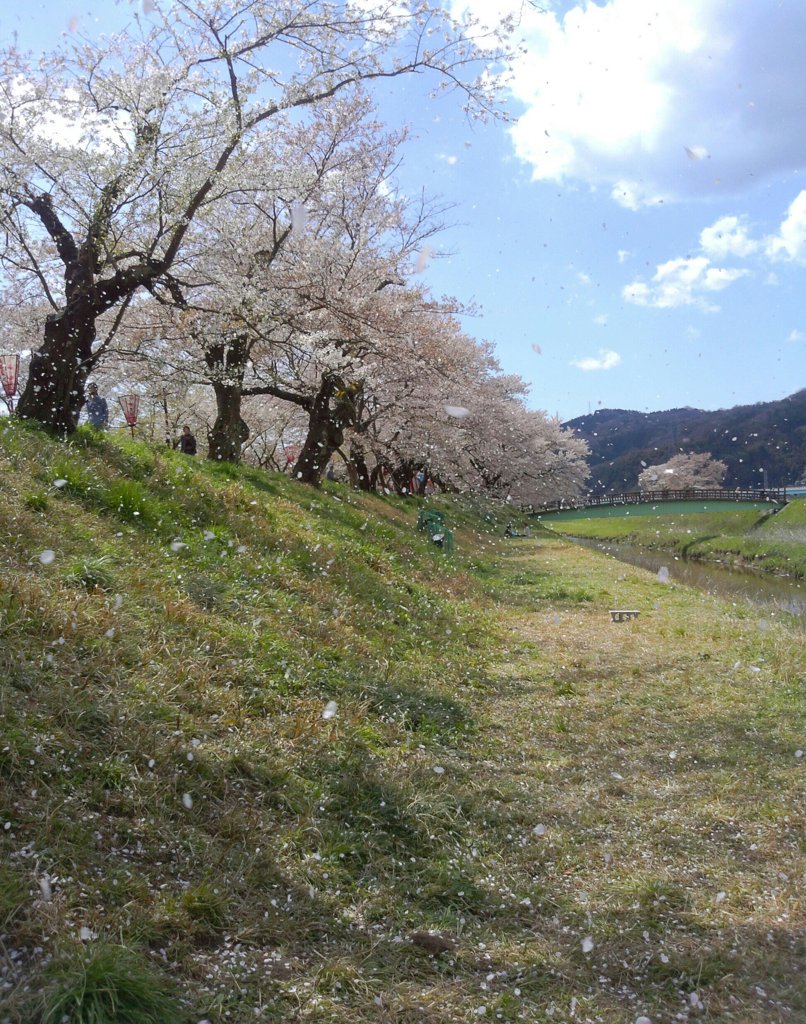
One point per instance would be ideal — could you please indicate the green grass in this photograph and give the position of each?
(184, 836)
(108, 985)
(772, 543)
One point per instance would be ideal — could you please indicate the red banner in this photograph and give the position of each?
(130, 405)
(9, 372)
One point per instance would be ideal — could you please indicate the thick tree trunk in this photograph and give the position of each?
(227, 363)
(332, 410)
(54, 392)
(230, 432)
(358, 469)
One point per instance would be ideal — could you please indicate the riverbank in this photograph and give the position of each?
(747, 538)
(267, 754)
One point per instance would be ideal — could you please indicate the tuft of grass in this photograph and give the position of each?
(91, 573)
(36, 501)
(107, 985)
(78, 480)
(14, 898)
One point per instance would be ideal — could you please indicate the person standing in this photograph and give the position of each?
(187, 442)
(97, 409)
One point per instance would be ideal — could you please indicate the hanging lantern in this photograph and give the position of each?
(9, 374)
(130, 404)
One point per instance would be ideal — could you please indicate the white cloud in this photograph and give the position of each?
(691, 98)
(606, 361)
(796, 336)
(623, 254)
(790, 242)
(727, 237)
(682, 282)
(601, 320)
(632, 195)
(583, 277)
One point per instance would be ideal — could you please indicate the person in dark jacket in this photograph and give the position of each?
(187, 442)
(96, 408)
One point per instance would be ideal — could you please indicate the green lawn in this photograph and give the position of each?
(747, 536)
(266, 754)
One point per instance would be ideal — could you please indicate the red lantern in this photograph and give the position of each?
(130, 404)
(9, 373)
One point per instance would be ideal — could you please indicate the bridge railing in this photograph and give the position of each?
(771, 494)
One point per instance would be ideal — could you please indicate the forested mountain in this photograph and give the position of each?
(768, 436)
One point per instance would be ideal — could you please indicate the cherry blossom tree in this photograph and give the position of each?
(325, 307)
(439, 402)
(683, 472)
(113, 153)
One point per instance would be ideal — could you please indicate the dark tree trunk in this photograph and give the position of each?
(226, 362)
(331, 411)
(403, 475)
(168, 429)
(359, 470)
(54, 392)
(229, 432)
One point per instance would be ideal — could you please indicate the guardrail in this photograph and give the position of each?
(771, 494)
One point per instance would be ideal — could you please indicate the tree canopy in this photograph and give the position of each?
(208, 196)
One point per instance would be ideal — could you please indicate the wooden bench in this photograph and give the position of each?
(623, 614)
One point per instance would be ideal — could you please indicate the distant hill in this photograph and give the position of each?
(768, 436)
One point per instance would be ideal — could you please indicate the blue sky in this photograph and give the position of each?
(635, 237)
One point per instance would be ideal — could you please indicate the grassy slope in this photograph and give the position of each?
(772, 543)
(506, 767)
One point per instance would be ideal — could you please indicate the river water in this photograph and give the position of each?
(773, 593)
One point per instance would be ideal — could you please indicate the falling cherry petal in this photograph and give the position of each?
(423, 258)
(299, 218)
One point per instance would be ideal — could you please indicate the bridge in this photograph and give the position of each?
(703, 499)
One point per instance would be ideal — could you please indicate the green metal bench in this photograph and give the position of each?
(428, 519)
(434, 524)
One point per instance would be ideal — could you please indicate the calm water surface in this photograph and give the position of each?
(774, 593)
